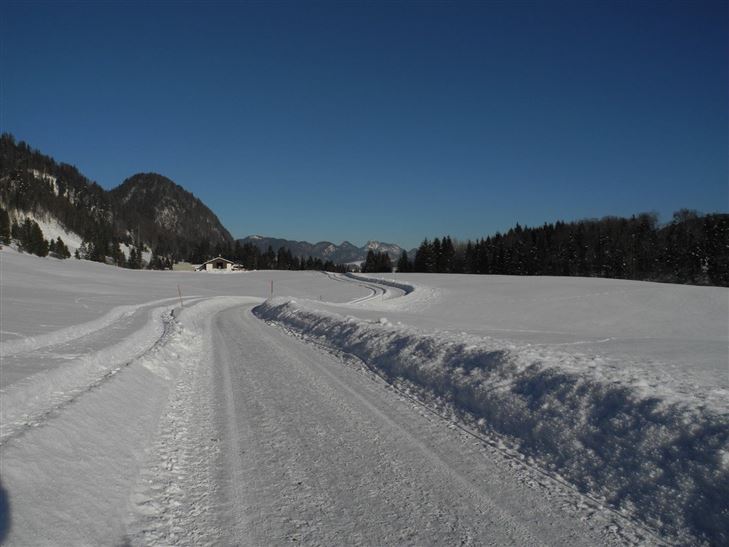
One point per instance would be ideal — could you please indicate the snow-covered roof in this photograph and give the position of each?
(216, 259)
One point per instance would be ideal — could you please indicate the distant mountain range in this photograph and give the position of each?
(146, 207)
(343, 253)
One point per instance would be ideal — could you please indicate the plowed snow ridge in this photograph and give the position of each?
(664, 459)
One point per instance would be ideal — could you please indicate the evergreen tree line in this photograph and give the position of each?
(77, 203)
(29, 237)
(377, 262)
(252, 258)
(691, 249)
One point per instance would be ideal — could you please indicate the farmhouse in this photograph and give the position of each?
(216, 265)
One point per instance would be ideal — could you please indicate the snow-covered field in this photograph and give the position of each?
(388, 409)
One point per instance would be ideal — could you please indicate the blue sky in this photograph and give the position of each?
(392, 121)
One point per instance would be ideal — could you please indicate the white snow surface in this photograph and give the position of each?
(677, 330)
(372, 409)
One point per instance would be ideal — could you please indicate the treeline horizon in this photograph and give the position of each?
(692, 248)
(251, 257)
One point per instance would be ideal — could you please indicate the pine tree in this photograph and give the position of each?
(24, 235)
(135, 258)
(448, 253)
(132, 261)
(423, 262)
(116, 253)
(15, 231)
(403, 264)
(37, 243)
(61, 249)
(269, 259)
(4, 226)
(84, 251)
(376, 262)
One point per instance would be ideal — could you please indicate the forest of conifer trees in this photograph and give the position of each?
(692, 249)
(252, 258)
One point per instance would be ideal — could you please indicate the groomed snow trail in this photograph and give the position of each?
(146, 424)
(316, 451)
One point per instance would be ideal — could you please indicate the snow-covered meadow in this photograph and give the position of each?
(617, 389)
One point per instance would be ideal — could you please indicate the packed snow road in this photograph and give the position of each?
(230, 431)
(316, 451)
(357, 410)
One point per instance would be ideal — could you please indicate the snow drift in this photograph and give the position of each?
(407, 288)
(661, 456)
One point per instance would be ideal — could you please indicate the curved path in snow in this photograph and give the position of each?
(307, 448)
(378, 291)
(225, 430)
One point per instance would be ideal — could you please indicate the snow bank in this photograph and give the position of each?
(405, 287)
(416, 297)
(661, 456)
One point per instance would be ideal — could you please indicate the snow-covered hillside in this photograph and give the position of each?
(446, 409)
(52, 229)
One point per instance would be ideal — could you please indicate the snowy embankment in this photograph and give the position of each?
(655, 453)
(406, 296)
(405, 287)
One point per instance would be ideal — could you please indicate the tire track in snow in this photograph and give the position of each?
(306, 499)
(375, 289)
(134, 447)
(43, 417)
(328, 458)
(454, 421)
(622, 521)
(171, 502)
(76, 332)
(69, 479)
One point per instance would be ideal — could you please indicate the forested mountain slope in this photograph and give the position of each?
(146, 210)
